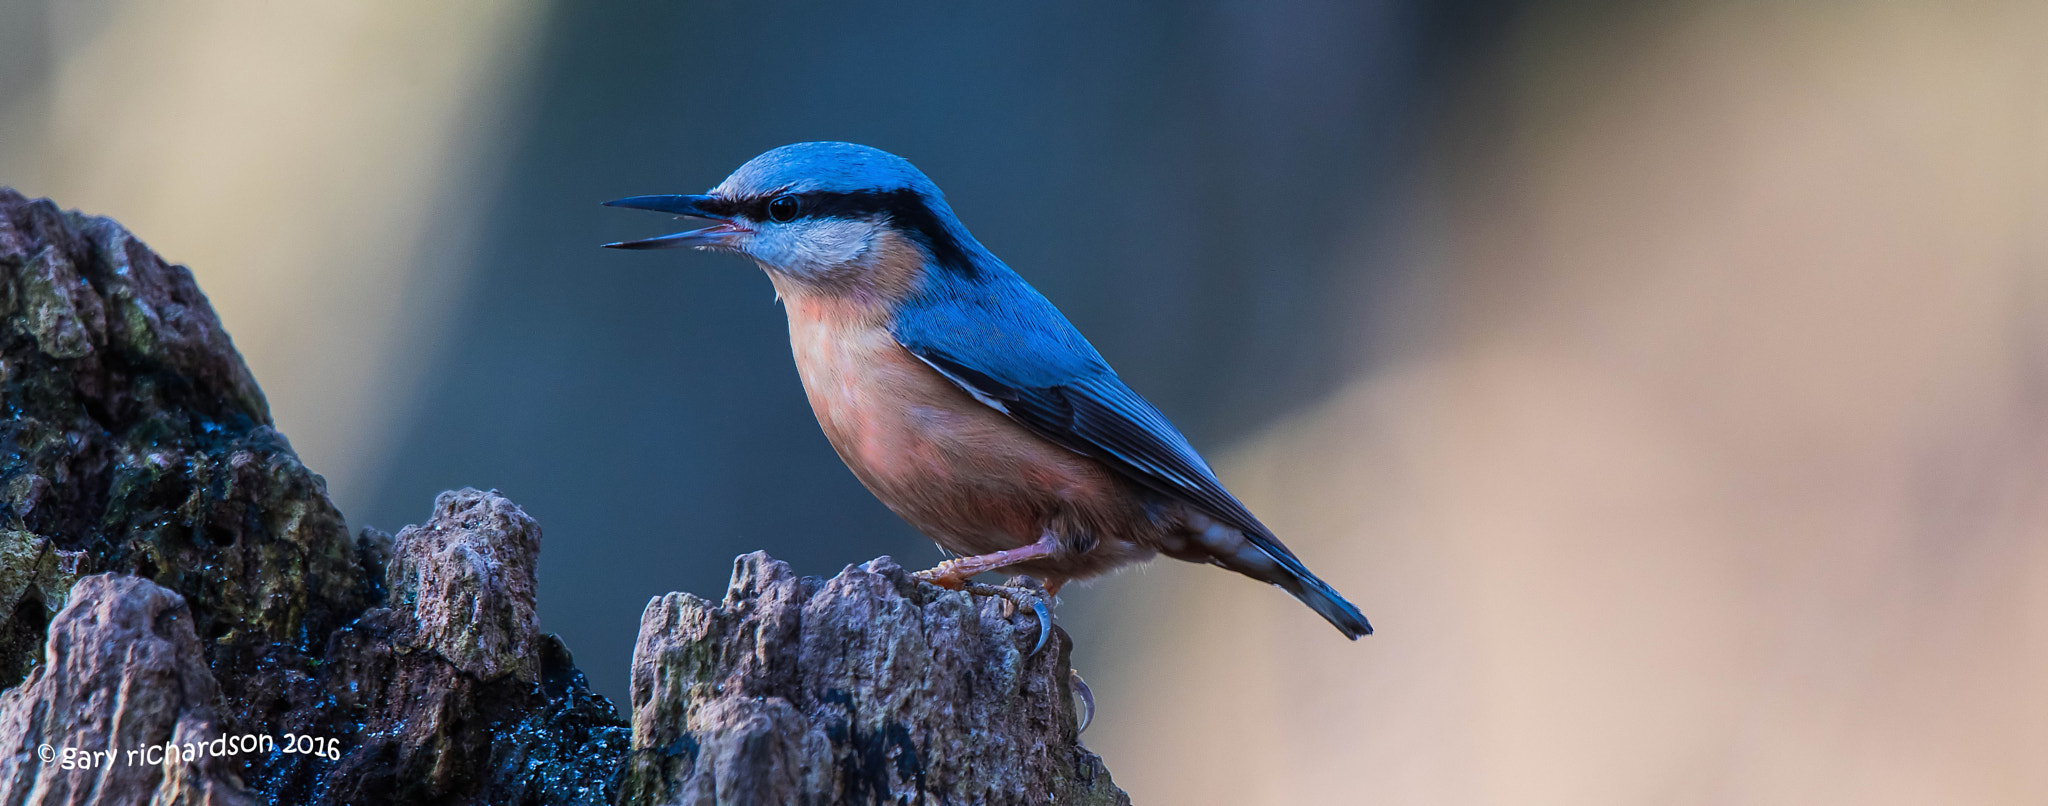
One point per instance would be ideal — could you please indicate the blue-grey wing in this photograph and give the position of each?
(1015, 353)
(1005, 345)
(1102, 418)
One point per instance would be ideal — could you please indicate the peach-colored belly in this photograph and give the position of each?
(961, 472)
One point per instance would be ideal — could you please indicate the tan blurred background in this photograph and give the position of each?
(1680, 415)
(1723, 477)
(312, 162)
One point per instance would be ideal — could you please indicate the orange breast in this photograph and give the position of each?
(961, 472)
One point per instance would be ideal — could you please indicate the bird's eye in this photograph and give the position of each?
(783, 209)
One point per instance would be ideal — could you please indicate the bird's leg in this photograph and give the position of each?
(954, 574)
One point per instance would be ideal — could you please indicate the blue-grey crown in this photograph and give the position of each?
(825, 167)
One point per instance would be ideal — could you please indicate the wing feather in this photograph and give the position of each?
(996, 338)
(1099, 416)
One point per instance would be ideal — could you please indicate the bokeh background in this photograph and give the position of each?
(1668, 382)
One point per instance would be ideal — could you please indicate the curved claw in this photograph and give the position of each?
(1013, 597)
(1044, 624)
(1087, 699)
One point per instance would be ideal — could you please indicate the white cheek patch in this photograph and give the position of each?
(811, 246)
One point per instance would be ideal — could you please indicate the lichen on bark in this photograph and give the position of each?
(134, 435)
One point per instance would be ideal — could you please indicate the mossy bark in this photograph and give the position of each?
(134, 442)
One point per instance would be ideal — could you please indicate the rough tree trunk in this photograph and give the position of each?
(171, 577)
(865, 688)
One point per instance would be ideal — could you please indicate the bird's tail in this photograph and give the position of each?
(1256, 553)
(1323, 599)
(1262, 557)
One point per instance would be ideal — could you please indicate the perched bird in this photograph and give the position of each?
(959, 395)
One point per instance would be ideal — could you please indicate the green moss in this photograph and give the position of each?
(31, 566)
(51, 308)
(150, 452)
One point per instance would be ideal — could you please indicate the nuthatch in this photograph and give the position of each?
(959, 395)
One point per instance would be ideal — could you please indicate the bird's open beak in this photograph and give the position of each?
(717, 237)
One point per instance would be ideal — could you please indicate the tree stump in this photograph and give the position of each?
(869, 687)
(171, 576)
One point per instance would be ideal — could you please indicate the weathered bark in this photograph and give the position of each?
(135, 442)
(870, 687)
(450, 692)
(222, 597)
(125, 675)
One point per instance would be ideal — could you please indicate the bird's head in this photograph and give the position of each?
(810, 212)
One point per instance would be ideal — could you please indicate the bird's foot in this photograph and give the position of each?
(955, 574)
(949, 574)
(1017, 596)
(1013, 596)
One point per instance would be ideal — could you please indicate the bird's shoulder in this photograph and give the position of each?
(998, 325)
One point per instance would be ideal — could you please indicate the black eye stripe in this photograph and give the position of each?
(903, 207)
(821, 204)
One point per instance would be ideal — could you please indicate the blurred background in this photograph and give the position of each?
(1668, 382)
